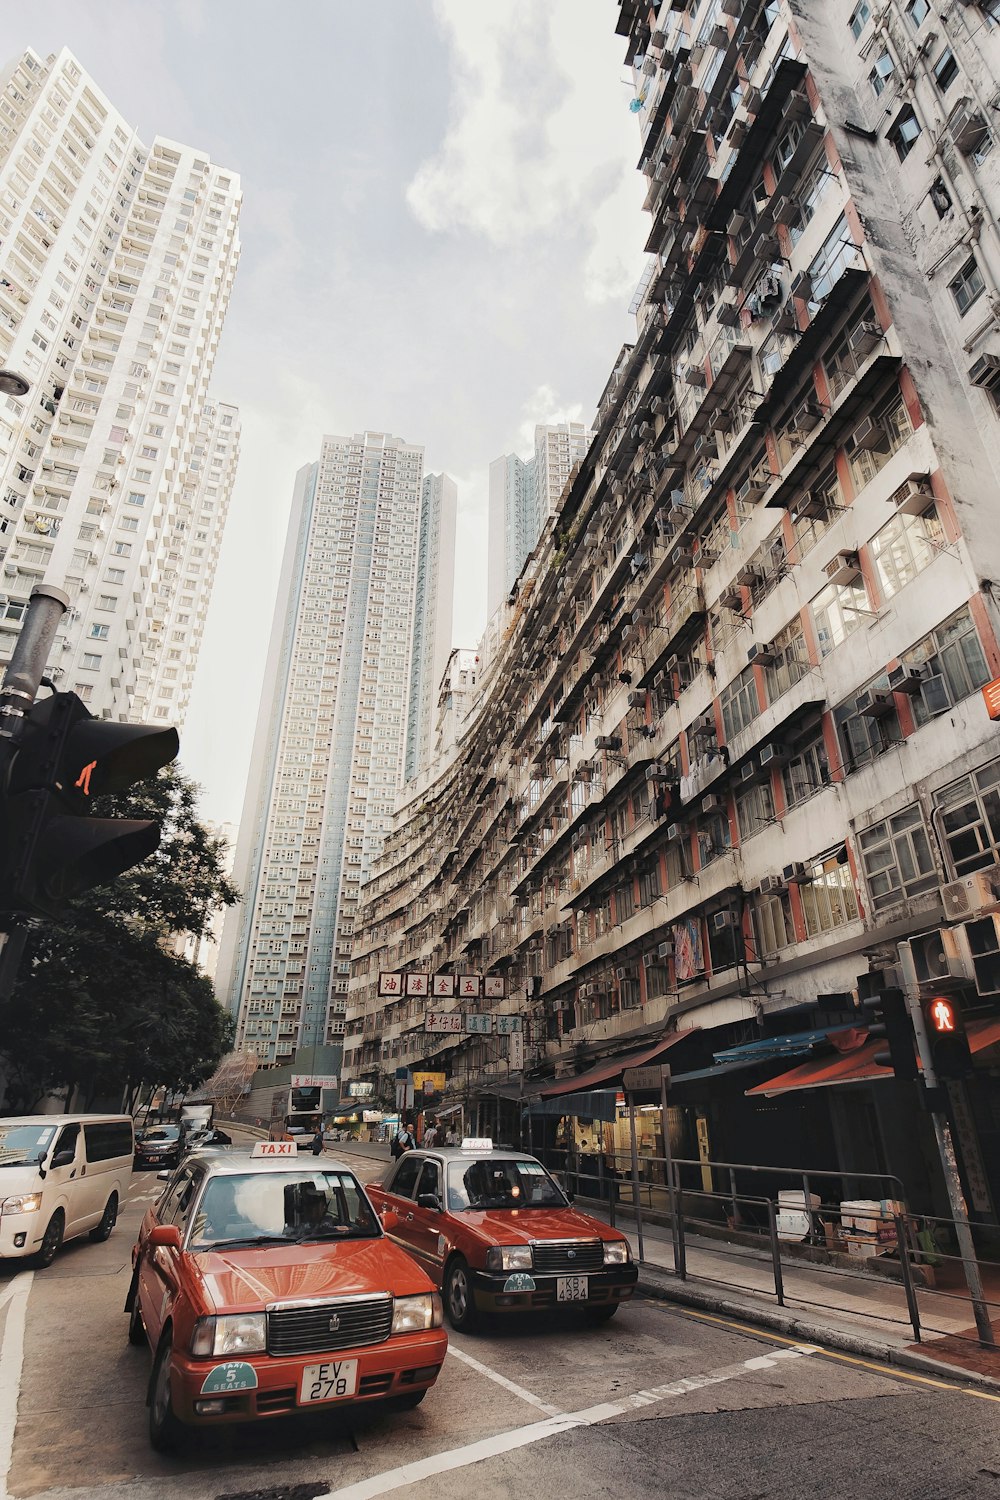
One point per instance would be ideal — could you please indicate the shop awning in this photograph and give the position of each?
(596, 1104)
(860, 1066)
(848, 1067)
(610, 1071)
(796, 1043)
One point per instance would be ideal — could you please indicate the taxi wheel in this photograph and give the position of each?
(51, 1239)
(409, 1401)
(164, 1428)
(458, 1297)
(109, 1219)
(601, 1314)
(136, 1327)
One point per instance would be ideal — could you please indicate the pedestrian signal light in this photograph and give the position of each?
(945, 1024)
(942, 1016)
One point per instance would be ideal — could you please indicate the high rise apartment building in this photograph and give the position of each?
(329, 748)
(733, 758)
(432, 616)
(116, 265)
(523, 494)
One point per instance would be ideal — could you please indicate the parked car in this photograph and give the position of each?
(160, 1146)
(61, 1176)
(497, 1233)
(264, 1287)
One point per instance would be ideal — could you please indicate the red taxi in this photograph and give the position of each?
(266, 1286)
(497, 1233)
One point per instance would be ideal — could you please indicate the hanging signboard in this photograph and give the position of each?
(508, 1025)
(443, 1020)
(477, 1025)
(470, 986)
(443, 986)
(494, 987)
(390, 984)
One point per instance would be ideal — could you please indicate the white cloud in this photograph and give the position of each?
(543, 408)
(532, 146)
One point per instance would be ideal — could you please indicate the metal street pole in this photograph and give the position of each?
(18, 690)
(952, 1180)
(635, 1174)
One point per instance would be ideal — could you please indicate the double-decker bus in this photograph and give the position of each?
(296, 1115)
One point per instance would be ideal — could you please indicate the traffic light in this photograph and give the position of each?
(949, 1044)
(892, 1020)
(50, 846)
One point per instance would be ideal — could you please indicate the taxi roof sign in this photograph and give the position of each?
(477, 1143)
(275, 1148)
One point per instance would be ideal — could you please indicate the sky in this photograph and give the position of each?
(441, 234)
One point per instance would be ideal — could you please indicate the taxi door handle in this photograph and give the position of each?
(409, 1218)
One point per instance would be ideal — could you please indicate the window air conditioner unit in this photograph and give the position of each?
(648, 960)
(762, 655)
(769, 884)
(972, 895)
(875, 704)
(675, 831)
(784, 210)
(660, 679)
(801, 286)
(794, 872)
(736, 224)
(723, 919)
(658, 772)
(713, 803)
(843, 568)
(732, 598)
(608, 742)
(590, 538)
(967, 126)
(637, 700)
(985, 372)
(864, 338)
(775, 754)
(807, 416)
(812, 507)
(905, 680)
(682, 557)
(914, 495)
(869, 434)
(640, 617)
(748, 770)
(620, 973)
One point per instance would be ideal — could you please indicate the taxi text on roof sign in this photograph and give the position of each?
(275, 1148)
(477, 1143)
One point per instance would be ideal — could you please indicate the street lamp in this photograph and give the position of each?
(13, 384)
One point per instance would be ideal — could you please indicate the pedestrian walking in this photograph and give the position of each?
(431, 1134)
(316, 1146)
(403, 1140)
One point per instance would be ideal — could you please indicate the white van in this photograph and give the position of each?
(61, 1176)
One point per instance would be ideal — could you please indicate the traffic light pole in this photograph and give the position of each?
(953, 1183)
(18, 691)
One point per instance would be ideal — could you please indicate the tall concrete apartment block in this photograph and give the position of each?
(330, 742)
(523, 494)
(116, 265)
(432, 616)
(737, 757)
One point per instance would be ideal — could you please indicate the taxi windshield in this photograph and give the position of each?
(24, 1144)
(281, 1207)
(499, 1182)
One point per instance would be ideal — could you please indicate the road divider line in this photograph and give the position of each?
(11, 1362)
(536, 1432)
(508, 1385)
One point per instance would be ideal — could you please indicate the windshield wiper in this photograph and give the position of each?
(248, 1241)
(336, 1234)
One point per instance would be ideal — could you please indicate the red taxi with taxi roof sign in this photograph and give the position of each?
(266, 1286)
(497, 1233)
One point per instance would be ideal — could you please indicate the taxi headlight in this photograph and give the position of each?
(509, 1258)
(238, 1333)
(416, 1314)
(24, 1203)
(616, 1253)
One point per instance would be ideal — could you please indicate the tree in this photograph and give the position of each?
(100, 1004)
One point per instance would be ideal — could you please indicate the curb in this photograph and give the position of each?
(779, 1320)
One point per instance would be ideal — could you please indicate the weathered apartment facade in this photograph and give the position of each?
(733, 750)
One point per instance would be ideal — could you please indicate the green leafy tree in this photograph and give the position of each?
(100, 1003)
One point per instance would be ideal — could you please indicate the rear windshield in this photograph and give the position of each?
(24, 1144)
(283, 1208)
(161, 1133)
(499, 1182)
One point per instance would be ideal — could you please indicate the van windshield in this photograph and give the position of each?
(23, 1145)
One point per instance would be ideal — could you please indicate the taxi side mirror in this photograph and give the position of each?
(164, 1176)
(390, 1219)
(429, 1200)
(167, 1236)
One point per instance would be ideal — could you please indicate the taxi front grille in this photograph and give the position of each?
(322, 1327)
(567, 1257)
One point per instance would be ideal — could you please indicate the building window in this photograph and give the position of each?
(91, 661)
(953, 664)
(772, 925)
(807, 772)
(917, 12)
(892, 428)
(837, 612)
(968, 286)
(860, 16)
(969, 813)
(754, 809)
(945, 70)
(740, 704)
(99, 632)
(903, 132)
(897, 858)
(863, 736)
(881, 73)
(792, 662)
(828, 898)
(836, 255)
(903, 548)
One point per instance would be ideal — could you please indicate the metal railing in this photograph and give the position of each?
(736, 1214)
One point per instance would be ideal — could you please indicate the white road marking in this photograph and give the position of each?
(508, 1385)
(11, 1361)
(534, 1432)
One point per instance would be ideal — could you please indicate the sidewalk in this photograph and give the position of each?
(851, 1311)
